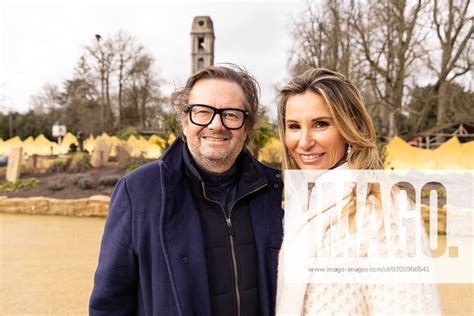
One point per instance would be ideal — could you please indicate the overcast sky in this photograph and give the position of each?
(41, 42)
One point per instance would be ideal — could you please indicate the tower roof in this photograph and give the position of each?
(202, 24)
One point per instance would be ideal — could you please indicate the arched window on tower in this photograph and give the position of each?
(201, 43)
(200, 63)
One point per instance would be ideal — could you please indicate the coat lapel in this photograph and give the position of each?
(182, 241)
(184, 248)
(265, 222)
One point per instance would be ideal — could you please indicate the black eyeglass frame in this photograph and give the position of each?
(216, 111)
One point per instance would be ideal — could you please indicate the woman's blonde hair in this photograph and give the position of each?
(347, 109)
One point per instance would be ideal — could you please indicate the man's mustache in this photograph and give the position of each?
(226, 134)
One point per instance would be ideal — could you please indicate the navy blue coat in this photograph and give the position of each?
(152, 258)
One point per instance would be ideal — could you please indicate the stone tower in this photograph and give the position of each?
(202, 43)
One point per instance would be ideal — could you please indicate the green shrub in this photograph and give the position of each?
(56, 185)
(109, 181)
(78, 177)
(86, 183)
(72, 148)
(135, 163)
(126, 132)
(133, 166)
(6, 186)
(80, 162)
(59, 165)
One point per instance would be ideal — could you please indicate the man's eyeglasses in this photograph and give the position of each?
(203, 115)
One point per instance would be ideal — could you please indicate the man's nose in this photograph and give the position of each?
(216, 122)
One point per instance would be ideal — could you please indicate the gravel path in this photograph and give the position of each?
(47, 265)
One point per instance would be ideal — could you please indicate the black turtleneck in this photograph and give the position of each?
(220, 187)
(229, 240)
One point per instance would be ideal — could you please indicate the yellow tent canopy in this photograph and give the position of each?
(89, 143)
(135, 146)
(66, 142)
(153, 151)
(400, 155)
(43, 146)
(157, 140)
(41, 139)
(104, 135)
(171, 138)
(29, 146)
(469, 147)
(12, 142)
(450, 155)
(114, 141)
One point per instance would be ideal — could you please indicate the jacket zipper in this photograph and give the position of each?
(231, 232)
(234, 263)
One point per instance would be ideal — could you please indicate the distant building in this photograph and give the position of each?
(202, 43)
(436, 136)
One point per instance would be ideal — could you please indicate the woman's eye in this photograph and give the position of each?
(321, 124)
(293, 126)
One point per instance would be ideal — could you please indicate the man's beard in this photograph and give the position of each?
(212, 161)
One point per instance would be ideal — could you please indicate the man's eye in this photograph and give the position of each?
(231, 116)
(202, 112)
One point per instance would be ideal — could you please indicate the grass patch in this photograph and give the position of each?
(6, 186)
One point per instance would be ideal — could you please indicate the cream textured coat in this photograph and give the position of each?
(312, 298)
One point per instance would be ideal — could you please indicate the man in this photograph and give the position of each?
(198, 231)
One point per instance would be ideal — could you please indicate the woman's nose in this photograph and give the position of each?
(306, 140)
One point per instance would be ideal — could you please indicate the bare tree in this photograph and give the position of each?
(127, 50)
(454, 27)
(103, 54)
(390, 41)
(79, 103)
(323, 37)
(47, 99)
(143, 86)
(46, 109)
(114, 76)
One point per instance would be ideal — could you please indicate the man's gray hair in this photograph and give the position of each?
(229, 72)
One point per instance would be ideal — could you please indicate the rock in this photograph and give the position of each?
(14, 164)
(123, 155)
(96, 205)
(101, 153)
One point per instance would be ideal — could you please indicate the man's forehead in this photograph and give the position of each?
(217, 92)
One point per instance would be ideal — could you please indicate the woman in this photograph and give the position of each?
(324, 125)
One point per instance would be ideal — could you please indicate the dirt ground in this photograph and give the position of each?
(47, 265)
(71, 190)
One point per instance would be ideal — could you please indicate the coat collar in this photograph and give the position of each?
(251, 174)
